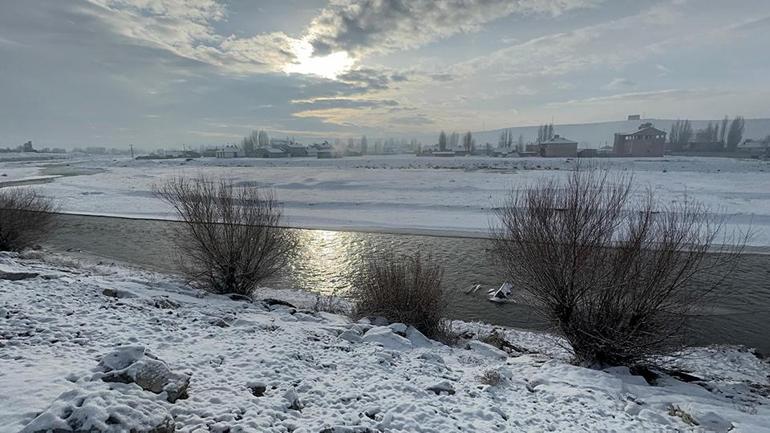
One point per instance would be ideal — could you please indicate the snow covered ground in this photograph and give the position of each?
(399, 193)
(283, 369)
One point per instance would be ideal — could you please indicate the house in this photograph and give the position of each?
(294, 149)
(558, 147)
(270, 152)
(229, 151)
(588, 153)
(647, 141)
(756, 148)
(27, 147)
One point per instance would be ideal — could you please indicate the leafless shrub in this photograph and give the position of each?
(617, 277)
(230, 238)
(491, 378)
(331, 303)
(26, 217)
(405, 289)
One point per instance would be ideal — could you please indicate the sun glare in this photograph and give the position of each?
(330, 66)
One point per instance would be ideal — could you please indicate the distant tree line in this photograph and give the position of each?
(727, 133)
(545, 133)
(452, 141)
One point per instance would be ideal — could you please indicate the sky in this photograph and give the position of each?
(161, 73)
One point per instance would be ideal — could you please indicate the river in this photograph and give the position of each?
(328, 260)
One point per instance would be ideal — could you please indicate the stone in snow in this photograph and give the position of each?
(486, 349)
(132, 364)
(18, 276)
(386, 338)
(351, 336)
(118, 293)
(293, 400)
(257, 388)
(417, 338)
(398, 328)
(442, 388)
(105, 411)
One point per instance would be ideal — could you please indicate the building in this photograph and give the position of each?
(756, 148)
(647, 141)
(558, 147)
(634, 117)
(270, 152)
(229, 151)
(293, 149)
(588, 153)
(27, 147)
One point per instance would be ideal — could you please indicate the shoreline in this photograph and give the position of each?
(407, 231)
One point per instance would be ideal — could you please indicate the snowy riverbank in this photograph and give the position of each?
(319, 370)
(397, 193)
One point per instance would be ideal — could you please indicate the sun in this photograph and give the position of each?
(330, 66)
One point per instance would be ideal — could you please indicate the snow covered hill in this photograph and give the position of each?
(256, 367)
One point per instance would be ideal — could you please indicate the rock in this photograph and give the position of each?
(257, 388)
(17, 276)
(222, 323)
(293, 400)
(713, 422)
(131, 364)
(385, 337)
(270, 302)
(398, 328)
(442, 388)
(432, 357)
(105, 411)
(351, 336)
(485, 349)
(163, 302)
(417, 338)
(378, 321)
(347, 429)
(118, 293)
(241, 298)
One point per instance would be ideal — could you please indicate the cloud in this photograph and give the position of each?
(186, 29)
(326, 103)
(619, 84)
(655, 95)
(377, 26)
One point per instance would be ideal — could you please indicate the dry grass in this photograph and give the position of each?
(26, 217)
(404, 289)
(617, 277)
(230, 238)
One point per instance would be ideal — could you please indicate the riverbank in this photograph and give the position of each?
(401, 193)
(327, 261)
(279, 369)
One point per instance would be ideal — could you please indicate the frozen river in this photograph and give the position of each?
(328, 259)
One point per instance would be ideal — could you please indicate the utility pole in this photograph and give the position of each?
(132, 150)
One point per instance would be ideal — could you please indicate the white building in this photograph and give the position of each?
(229, 151)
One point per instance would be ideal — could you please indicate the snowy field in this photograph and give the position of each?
(396, 193)
(253, 368)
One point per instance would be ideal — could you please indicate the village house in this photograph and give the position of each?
(558, 147)
(229, 151)
(647, 141)
(270, 152)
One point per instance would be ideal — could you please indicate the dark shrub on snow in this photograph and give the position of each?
(404, 289)
(230, 237)
(25, 218)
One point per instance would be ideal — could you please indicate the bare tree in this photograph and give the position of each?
(442, 141)
(617, 277)
(723, 131)
(468, 143)
(405, 289)
(735, 133)
(26, 217)
(230, 236)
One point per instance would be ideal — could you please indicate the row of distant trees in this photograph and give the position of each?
(452, 141)
(255, 140)
(728, 133)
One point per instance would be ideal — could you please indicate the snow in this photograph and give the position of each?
(403, 193)
(55, 329)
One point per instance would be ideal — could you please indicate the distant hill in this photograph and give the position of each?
(595, 135)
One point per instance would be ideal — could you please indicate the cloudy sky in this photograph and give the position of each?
(159, 73)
